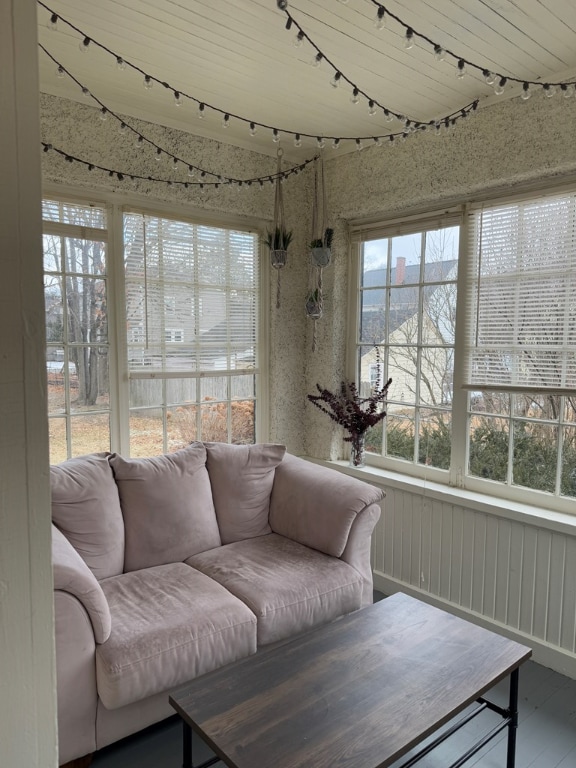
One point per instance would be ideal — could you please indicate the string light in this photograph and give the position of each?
(317, 59)
(84, 44)
(441, 53)
(120, 63)
(53, 23)
(252, 129)
(409, 38)
(177, 99)
(380, 21)
(149, 80)
(460, 69)
(354, 97)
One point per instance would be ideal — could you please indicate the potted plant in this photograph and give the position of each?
(320, 248)
(278, 241)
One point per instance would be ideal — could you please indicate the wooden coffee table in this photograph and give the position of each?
(357, 693)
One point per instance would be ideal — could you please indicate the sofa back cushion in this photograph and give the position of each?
(86, 508)
(167, 506)
(242, 477)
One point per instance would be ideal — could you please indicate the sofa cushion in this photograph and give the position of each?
(242, 477)
(170, 624)
(289, 587)
(86, 508)
(167, 506)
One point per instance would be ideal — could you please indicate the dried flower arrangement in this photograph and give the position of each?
(355, 413)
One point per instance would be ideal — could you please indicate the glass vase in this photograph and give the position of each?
(358, 450)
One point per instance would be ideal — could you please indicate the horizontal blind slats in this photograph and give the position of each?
(521, 313)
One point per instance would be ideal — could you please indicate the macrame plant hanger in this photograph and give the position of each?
(278, 249)
(319, 251)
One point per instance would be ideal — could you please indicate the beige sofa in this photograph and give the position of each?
(169, 567)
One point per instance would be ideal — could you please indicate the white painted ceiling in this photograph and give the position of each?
(237, 56)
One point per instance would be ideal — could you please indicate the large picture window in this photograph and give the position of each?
(476, 325)
(154, 346)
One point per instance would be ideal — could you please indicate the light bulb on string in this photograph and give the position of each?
(354, 96)
(489, 77)
(103, 114)
(526, 92)
(85, 92)
(317, 59)
(439, 53)
(191, 171)
(200, 113)
(226, 120)
(460, 69)
(335, 82)
(549, 90)
(320, 143)
(499, 86)
(53, 23)
(358, 145)
(336, 144)
(388, 116)
(567, 90)
(275, 135)
(380, 20)
(122, 128)
(371, 108)
(298, 39)
(297, 141)
(158, 154)
(409, 38)
(148, 82)
(120, 63)
(60, 73)
(84, 44)
(252, 129)
(377, 141)
(175, 162)
(177, 99)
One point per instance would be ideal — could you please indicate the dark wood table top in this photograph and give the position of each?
(357, 693)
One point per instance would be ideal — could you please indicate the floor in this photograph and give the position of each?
(546, 733)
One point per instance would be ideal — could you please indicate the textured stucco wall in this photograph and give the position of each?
(504, 145)
(77, 129)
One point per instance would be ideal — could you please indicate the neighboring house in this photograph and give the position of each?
(400, 334)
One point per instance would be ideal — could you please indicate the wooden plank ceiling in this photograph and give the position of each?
(237, 56)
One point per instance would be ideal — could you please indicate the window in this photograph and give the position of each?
(169, 328)
(191, 310)
(77, 345)
(480, 345)
(407, 327)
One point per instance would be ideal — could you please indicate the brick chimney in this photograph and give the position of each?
(400, 270)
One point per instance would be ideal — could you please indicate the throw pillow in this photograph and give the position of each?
(242, 477)
(167, 506)
(86, 508)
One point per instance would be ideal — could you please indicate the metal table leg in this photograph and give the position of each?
(513, 724)
(186, 745)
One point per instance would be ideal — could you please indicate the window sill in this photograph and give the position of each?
(534, 516)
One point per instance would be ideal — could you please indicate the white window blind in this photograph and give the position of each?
(191, 297)
(521, 313)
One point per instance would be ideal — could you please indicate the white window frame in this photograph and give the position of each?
(115, 205)
(457, 477)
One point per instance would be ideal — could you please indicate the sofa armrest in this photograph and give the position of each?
(72, 575)
(317, 506)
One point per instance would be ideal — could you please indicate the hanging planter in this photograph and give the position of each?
(279, 238)
(320, 249)
(278, 242)
(314, 307)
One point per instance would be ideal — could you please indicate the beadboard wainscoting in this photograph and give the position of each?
(498, 564)
(515, 577)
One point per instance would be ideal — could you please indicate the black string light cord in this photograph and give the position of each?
(409, 125)
(123, 175)
(160, 151)
(490, 76)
